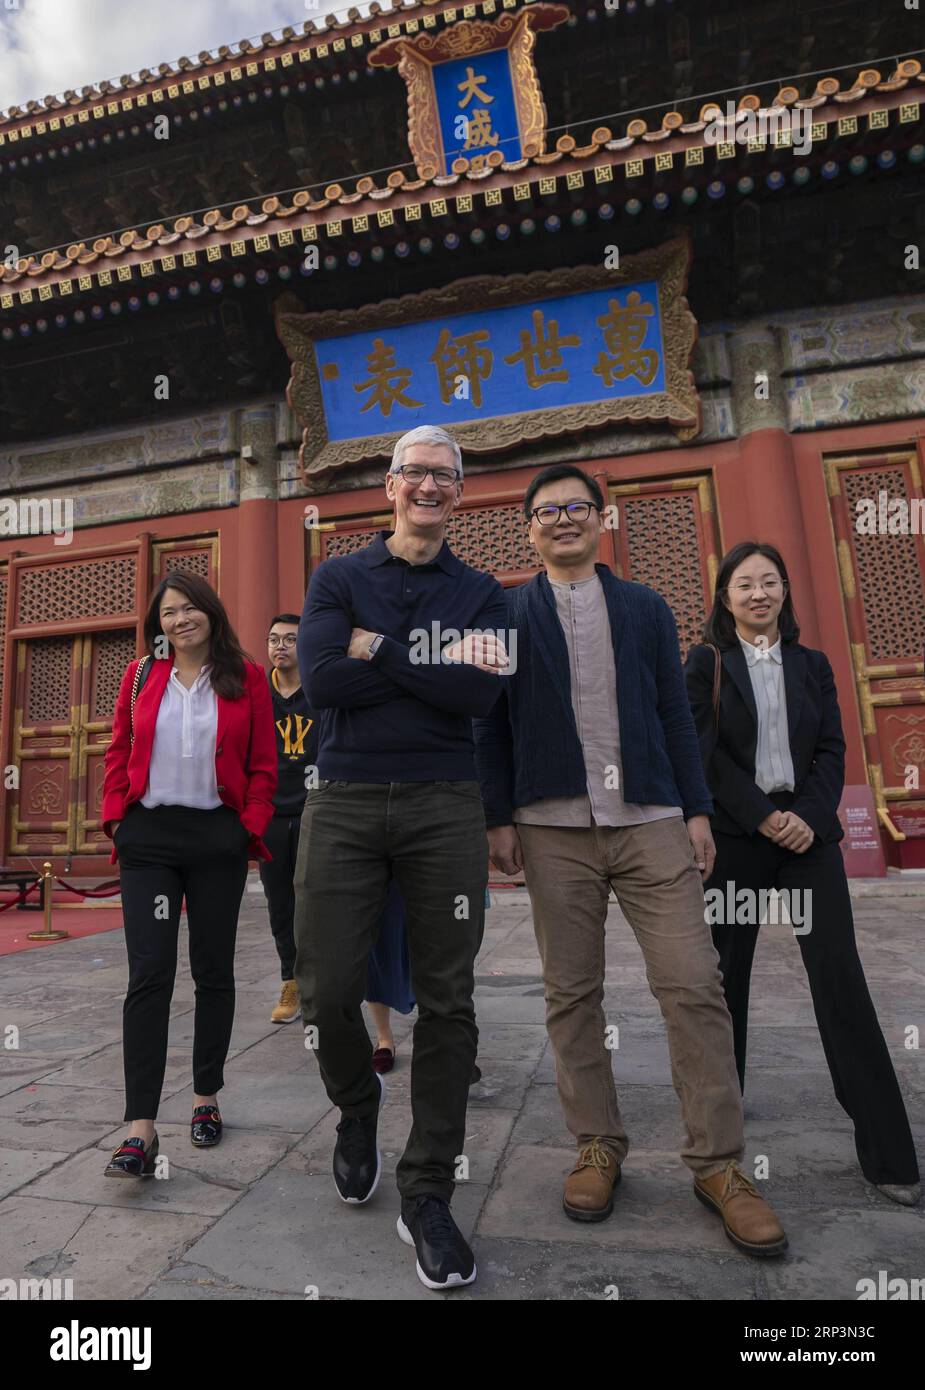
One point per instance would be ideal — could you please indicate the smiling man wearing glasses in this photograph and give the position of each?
(296, 751)
(592, 780)
(399, 798)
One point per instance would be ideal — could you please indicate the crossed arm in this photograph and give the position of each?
(337, 671)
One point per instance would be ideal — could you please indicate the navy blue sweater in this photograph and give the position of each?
(528, 748)
(393, 719)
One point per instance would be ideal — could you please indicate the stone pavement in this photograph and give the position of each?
(258, 1218)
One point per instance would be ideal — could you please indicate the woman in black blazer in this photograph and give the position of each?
(774, 757)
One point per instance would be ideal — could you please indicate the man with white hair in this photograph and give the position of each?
(399, 646)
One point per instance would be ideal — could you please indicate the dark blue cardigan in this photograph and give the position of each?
(528, 747)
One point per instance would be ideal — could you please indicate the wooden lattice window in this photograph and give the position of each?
(665, 539)
(348, 542)
(192, 555)
(493, 539)
(113, 652)
(48, 688)
(85, 589)
(889, 574)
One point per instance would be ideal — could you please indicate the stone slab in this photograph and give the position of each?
(73, 1240)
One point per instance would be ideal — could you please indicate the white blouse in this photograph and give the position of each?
(773, 763)
(182, 767)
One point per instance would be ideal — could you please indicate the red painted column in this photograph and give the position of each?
(255, 563)
(761, 485)
(253, 592)
(767, 469)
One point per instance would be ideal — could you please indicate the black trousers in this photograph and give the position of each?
(165, 854)
(859, 1063)
(281, 838)
(430, 836)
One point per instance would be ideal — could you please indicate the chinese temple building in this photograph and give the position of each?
(676, 243)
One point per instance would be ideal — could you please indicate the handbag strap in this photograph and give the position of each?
(136, 686)
(717, 678)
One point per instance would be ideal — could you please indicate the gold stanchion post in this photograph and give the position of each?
(47, 933)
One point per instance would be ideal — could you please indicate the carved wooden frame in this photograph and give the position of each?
(415, 60)
(678, 404)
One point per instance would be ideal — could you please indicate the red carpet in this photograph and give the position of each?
(76, 921)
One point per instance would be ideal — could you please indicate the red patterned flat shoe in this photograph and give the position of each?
(383, 1059)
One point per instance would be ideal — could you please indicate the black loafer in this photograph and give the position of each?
(132, 1160)
(206, 1128)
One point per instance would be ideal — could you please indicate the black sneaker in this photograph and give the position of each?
(444, 1259)
(357, 1163)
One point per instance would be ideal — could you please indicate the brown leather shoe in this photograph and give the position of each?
(748, 1219)
(589, 1186)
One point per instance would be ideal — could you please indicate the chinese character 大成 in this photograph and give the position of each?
(480, 131)
(541, 351)
(465, 357)
(472, 87)
(624, 332)
(387, 382)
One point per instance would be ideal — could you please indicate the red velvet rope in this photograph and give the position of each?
(20, 897)
(102, 890)
(111, 887)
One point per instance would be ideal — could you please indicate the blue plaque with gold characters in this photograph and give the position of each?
(575, 348)
(473, 93)
(475, 101)
(557, 352)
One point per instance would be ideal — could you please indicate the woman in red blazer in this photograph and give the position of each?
(188, 792)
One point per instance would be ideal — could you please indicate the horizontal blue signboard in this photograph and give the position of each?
(595, 346)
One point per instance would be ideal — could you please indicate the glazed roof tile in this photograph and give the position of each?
(50, 267)
(209, 62)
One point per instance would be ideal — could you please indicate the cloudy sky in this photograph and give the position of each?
(48, 46)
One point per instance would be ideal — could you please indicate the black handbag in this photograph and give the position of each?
(717, 679)
(141, 675)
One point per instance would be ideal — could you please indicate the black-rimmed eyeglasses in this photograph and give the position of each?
(415, 473)
(548, 515)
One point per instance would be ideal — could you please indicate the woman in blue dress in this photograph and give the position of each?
(388, 979)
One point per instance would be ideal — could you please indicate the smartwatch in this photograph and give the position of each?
(375, 644)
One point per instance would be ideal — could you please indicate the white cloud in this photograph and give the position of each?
(50, 46)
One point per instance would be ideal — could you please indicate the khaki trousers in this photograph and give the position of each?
(569, 874)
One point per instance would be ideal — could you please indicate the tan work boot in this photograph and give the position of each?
(589, 1186)
(288, 1008)
(748, 1219)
